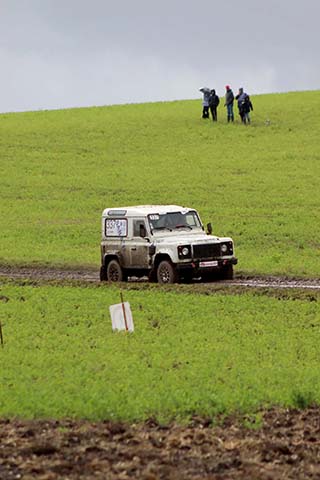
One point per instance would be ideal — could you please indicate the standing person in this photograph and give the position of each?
(205, 102)
(247, 107)
(241, 97)
(214, 101)
(229, 99)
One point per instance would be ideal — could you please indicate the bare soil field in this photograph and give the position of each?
(285, 446)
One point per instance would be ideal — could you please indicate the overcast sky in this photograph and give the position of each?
(72, 53)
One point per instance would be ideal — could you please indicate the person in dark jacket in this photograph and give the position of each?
(214, 101)
(229, 99)
(247, 107)
(241, 98)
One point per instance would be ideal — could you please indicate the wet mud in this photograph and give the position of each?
(40, 274)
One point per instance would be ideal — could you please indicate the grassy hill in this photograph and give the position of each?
(258, 184)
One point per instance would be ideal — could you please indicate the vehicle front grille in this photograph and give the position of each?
(207, 250)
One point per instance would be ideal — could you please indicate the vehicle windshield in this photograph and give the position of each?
(175, 220)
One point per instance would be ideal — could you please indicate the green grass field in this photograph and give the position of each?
(258, 184)
(203, 354)
(190, 353)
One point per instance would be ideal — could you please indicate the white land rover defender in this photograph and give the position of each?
(167, 243)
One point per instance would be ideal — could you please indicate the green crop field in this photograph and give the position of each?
(258, 184)
(203, 354)
(191, 352)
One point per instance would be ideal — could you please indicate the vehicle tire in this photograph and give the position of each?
(103, 274)
(166, 272)
(114, 271)
(227, 273)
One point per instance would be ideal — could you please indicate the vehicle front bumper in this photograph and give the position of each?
(200, 266)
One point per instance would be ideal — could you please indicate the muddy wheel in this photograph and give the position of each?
(227, 273)
(114, 271)
(103, 274)
(167, 272)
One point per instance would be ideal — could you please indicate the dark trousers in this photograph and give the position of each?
(242, 114)
(214, 113)
(205, 112)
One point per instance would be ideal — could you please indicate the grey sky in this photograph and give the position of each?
(71, 53)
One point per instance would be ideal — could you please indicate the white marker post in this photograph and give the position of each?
(121, 316)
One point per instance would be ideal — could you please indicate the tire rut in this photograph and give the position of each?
(91, 276)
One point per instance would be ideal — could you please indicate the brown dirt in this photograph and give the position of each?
(285, 446)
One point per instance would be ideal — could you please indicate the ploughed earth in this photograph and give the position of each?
(282, 444)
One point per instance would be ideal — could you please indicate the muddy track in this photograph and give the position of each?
(86, 275)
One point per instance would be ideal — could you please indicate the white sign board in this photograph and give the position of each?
(121, 317)
(116, 227)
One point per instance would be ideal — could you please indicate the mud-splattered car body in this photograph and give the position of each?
(167, 243)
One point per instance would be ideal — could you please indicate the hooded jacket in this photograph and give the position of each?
(241, 97)
(214, 100)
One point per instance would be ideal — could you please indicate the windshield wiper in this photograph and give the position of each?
(162, 228)
(183, 226)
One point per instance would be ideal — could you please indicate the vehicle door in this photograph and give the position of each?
(116, 233)
(139, 246)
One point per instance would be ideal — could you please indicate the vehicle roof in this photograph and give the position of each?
(143, 210)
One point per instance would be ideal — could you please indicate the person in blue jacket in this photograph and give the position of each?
(241, 98)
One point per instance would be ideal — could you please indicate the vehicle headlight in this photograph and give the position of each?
(184, 251)
(224, 248)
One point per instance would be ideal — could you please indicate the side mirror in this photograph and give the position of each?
(143, 232)
(209, 228)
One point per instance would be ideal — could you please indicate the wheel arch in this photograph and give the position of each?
(160, 257)
(107, 259)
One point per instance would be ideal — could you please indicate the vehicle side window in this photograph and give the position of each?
(136, 227)
(116, 227)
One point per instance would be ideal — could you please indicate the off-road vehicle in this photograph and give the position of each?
(167, 243)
